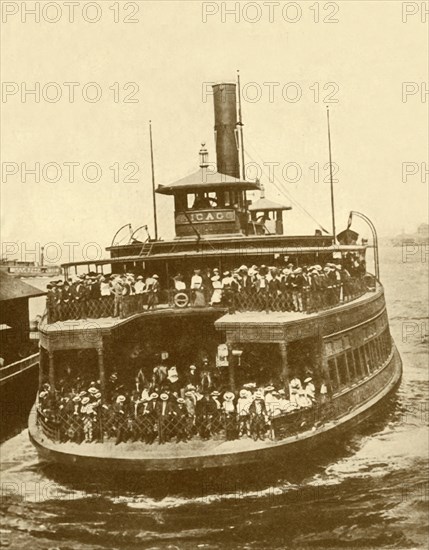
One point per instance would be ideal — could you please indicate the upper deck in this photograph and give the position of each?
(83, 325)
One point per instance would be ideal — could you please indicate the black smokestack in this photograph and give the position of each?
(225, 111)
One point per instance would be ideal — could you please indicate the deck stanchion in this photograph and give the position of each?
(285, 366)
(101, 371)
(51, 370)
(41, 366)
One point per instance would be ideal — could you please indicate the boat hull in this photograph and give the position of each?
(115, 458)
(18, 390)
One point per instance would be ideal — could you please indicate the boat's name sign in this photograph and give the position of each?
(209, 216)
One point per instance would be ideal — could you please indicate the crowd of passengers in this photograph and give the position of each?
(169, 408)
(307, 288)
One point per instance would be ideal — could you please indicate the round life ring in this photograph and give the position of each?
(181, 299)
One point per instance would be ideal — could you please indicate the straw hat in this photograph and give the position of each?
(164, 396)
(243, 393)
(180, 400)
(120, 399)
(309, 379)
(85, 400)
(228, 396)
(215, 393)
(153, 395)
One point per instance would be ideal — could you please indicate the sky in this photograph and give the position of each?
(138, 61)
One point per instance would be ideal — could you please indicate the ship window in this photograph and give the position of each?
(351, 365)
(338, 347)
(220, 199)
(368, 358)
(333, 374)
(364, 359)
(375, 354)
(181, 202)
(385, 345)
(380, 351)
(358, 364)
(330, 348)
(342, 369)
(388, 342)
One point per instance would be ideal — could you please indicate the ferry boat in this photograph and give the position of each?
(232, 344)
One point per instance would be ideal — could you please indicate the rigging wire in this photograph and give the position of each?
(279, 186)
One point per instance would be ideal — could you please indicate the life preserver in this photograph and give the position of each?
(181, 299)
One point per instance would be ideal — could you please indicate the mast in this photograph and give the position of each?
(240, 124)
(331, 179)
(243, 168)
(155, 222)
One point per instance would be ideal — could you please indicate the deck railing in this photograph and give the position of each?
(18, 366)
(115, 427)
(305, 300)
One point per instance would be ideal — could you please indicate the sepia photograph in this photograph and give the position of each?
(214, 291)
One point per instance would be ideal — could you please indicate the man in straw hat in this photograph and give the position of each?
(243, 405)
(228, 408)
(165, 413)
(258, 416)
(153, 289)
(184, 421)
(120, 419)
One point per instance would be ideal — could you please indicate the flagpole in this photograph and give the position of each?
(331, 179)
(240, 124)
(243, 167)
(155, 222)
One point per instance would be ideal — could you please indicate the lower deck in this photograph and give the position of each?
(352, 406)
